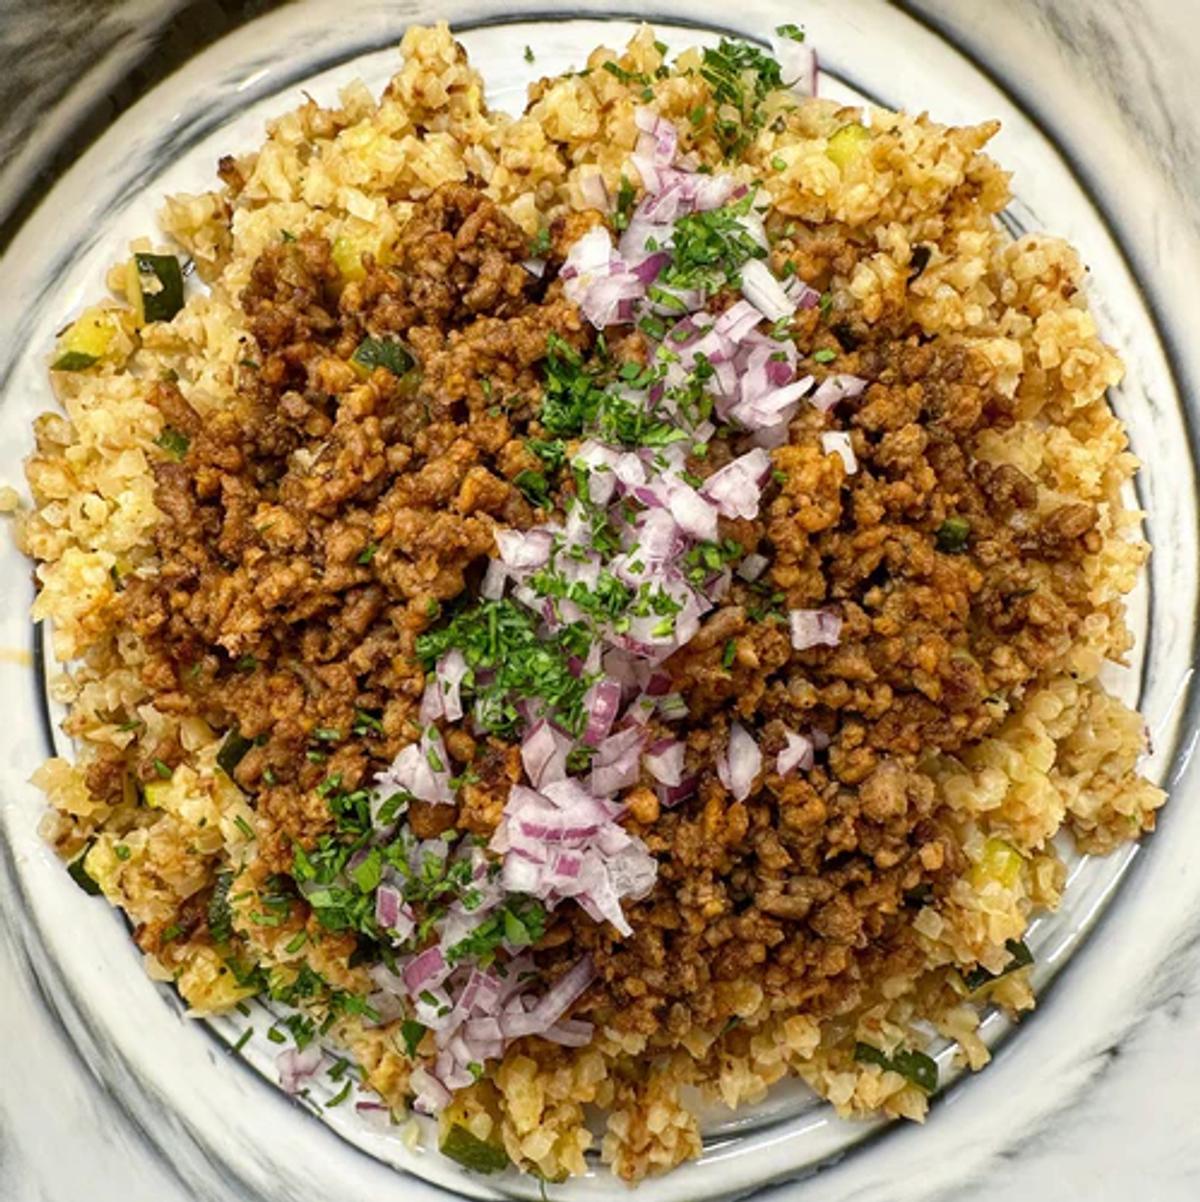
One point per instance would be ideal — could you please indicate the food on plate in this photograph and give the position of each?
(596, 609)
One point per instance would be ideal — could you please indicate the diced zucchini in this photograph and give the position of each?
(90, 337)
(1022, 957)
(79, 873)
(848, 144)
(1001, 862)
(916, 1067)
(357, 238)
(155, 793)
(233, 750)
(220, 913)
(154, 287)
(473, 1153)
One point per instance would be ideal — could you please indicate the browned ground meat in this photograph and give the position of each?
(317, 527)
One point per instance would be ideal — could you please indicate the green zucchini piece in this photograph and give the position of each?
(161, 280)
(80, 875)
(475, 1154)
(220, 913)
(233, 750)
(918, 1068)
(74, 361)
(1022, 957)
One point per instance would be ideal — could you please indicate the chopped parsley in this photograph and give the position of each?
(741, 77)
(952, 535)
(518, 923)
(382, 352)
(528, 54)
(709, 249)
(624, 209)
(412, 1032)
(539, 244)
(918, 1068)
(173, 442)
(502, 639)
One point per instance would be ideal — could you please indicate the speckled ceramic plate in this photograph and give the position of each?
(216, 1122)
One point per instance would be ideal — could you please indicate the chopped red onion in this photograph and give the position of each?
(296, 1067)
(602, 702)
(393, 914)
(797, 754)
(752, 567)
(431, 1096)
(695, 516)
(837, 442)
(544, 752)
(737, 487)
(664, 761)
(449, 674)
(738, 320)
(494, 580)
(522, 552)
(832, 389)
(421, 769)
(765, 292)
(570, 1032)
(425, 971)
(740, 763)
(672, 795)
(797, 63)
(557, 1000)
(615, 765)
(814, 628)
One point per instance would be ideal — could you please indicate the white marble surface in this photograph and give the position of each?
(1121, 1123)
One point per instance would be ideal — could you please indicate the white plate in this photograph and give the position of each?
(221, 1118)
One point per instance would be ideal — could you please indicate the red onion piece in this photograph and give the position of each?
(296, 1067)
(664, 761)
(421, 769)
(832, 389)
(602, 702)
(765, 292)
(425, 971)
(752, 567)
(797, 63)
(450, 671)
(814, 628)
(737, 487)
(431, 1096)
(544, 752)
(837, 442)
(797, 754)
(740, 763)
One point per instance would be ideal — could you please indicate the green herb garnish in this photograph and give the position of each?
(918, 1068)
(952, 535)
(173, 442)
(382, 352)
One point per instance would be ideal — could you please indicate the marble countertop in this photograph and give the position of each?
(1127, 1127)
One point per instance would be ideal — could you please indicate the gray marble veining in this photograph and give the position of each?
(1117, 85)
